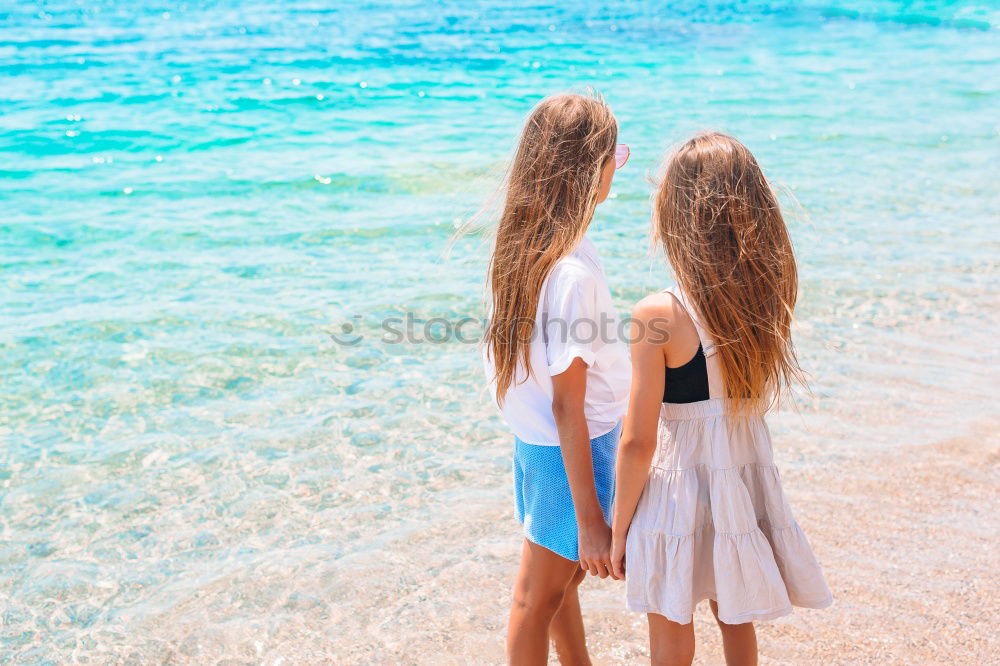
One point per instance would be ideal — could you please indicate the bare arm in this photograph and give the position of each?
(635, 451)
(569, 391)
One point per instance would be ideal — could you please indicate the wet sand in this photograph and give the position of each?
(908, 541)
(907, 538)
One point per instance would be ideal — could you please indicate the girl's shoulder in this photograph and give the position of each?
(572, 272)
(658, 304)
(573, 288)
(663, 309)
(572, 267)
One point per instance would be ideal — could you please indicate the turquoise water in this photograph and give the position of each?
(197, 199)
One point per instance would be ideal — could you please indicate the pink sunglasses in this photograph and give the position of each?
(621, 155)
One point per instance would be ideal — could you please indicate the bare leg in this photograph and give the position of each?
(670, 644)
(566, 629)
(539, 591)
(739, 641)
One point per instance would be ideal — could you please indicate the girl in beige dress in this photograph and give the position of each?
(699, 512)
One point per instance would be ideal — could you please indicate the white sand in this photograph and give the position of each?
(907, 537)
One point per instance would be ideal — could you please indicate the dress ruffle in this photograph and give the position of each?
(713, 523)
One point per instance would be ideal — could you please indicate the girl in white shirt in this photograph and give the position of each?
(557, 367)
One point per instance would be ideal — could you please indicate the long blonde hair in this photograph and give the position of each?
(720, 224)
(551, 191)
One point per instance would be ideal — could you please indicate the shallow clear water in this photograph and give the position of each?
(196, 198)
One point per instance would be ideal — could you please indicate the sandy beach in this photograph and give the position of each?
(244, 417)
(907, 538)
(908, 542)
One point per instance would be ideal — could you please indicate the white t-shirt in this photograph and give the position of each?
(575, 319)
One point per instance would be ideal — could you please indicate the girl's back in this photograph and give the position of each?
(712, 521)
(563, 395)
(700, 513)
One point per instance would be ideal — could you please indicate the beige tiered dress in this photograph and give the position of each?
(713, 522)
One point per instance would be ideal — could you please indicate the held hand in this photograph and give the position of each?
(618, 556)
(595, 548)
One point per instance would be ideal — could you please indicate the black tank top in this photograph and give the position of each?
(689, 382)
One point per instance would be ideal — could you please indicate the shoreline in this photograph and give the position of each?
(903, 535)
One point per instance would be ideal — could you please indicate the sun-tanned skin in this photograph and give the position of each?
(670, 643)
(546, 604)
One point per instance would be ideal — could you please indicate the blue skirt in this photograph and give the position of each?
(542, 495)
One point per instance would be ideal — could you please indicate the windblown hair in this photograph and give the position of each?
(552, 186)
(721, 227)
